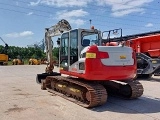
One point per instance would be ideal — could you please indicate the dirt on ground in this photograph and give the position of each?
(22, 99)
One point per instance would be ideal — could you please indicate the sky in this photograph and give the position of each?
(23, 22)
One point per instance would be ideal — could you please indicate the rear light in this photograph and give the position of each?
(103, 55)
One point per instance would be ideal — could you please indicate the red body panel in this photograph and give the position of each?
(105, 73)
(95, 70)
(147, 44)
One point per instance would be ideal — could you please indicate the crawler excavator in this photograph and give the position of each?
(92, 70)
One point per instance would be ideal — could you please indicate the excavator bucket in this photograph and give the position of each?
(43, 76)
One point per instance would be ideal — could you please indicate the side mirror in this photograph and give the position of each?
(85, 42)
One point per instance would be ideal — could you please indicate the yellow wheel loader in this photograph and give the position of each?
(17, 62)
(34, 62)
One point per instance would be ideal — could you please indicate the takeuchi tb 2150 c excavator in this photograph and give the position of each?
(92, 70)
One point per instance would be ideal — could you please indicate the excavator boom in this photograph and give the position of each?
(56, 30)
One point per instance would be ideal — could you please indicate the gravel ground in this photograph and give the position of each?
(22, 99)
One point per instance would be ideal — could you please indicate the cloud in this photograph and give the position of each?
(125, 12)
(123, 7)
(17, 3)
(78, 22)
(118, 7)
(153, 13)
(149, 25)
(73, 13)
(30, 13)
(61, 3)
(35, 3)
(73, 16)
(21, 34)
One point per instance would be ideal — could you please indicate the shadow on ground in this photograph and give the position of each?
(140, 105)
(153, 79)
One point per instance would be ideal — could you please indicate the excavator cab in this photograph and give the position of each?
(72, 43)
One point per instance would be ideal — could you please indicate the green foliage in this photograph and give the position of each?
(26, 53)
(55, 53)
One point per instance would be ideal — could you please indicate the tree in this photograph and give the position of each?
(24, 53)
(55, 52)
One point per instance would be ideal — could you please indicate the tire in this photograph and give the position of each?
(5, 63)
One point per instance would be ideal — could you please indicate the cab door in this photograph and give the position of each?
(64, 51)
(73, 49)
(68, 49)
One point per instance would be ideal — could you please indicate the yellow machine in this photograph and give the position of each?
(17, 62)
(3, 54)
(34, 62)
(3, 59)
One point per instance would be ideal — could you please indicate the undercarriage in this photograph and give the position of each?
(88, 93)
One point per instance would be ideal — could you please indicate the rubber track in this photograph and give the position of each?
(98, 92)
(137, 89)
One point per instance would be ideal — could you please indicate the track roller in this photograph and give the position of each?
(128, 89)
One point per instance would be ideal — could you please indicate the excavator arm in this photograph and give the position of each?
(4, 51)
(56, 30)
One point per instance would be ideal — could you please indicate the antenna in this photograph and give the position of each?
(90, 21)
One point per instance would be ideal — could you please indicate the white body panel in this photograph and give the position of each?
(114, 57)
(75, 66)
(118, 56)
